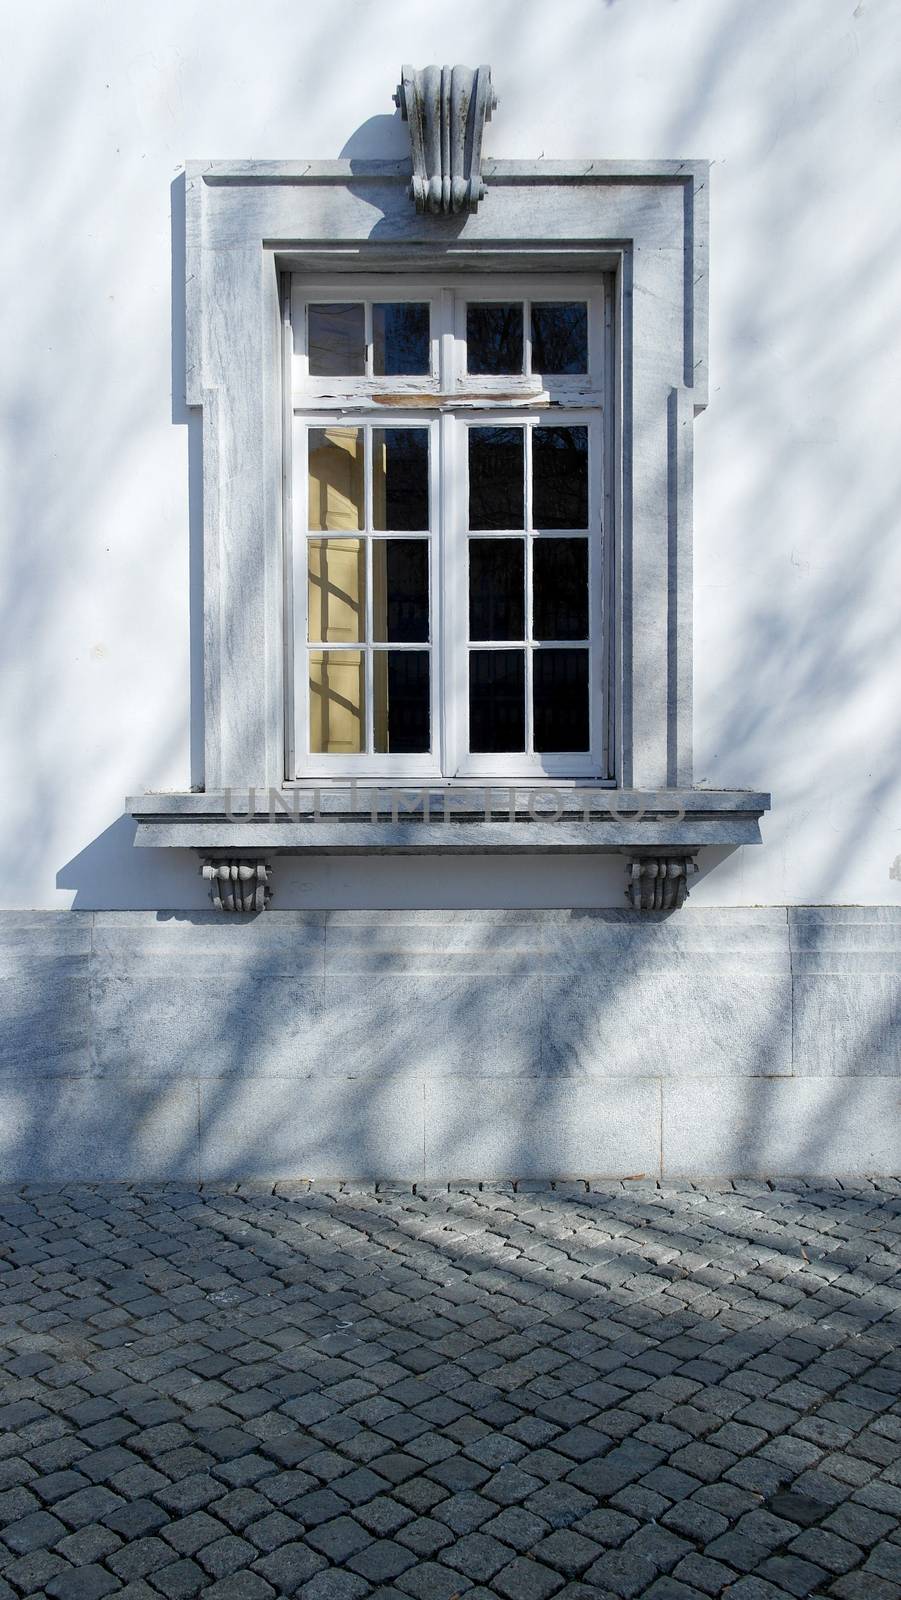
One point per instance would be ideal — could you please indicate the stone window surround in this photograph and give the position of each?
(646, 222)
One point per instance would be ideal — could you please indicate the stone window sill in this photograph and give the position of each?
(659, 833)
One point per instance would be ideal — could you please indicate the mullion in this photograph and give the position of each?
(368, 671)
(528, 629)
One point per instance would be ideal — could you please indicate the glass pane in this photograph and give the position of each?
(336, 341)
(560, 699)
(496, 467)
(400, 479)
(400, 591)
(336, 579)
(400, 339)
(337, 711)
(401, 696)
(494, 337)
(335, 479)
(560, 588)
(560, 477)
(560, 336)
(497, 700)
(497, 570)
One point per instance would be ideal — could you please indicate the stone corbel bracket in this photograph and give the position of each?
(658, 882)
(237, 885)
(446, 108)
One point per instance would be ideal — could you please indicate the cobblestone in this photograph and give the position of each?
(510, 1393)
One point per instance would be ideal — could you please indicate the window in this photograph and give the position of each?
(440, 404)
(451, 546)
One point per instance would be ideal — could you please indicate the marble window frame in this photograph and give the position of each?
(248, 222)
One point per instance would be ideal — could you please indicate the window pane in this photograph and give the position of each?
(336, 341)
(400, 479)
(335, 479)
(560, 477)
(337, 712)
(497, 589)
(560, 336)
(401, 695)
(560, 588)
(400, 339)
(336, 578)
(400, 590)
(496, 466)
(494, 337)
(560, 699)
(497, 700)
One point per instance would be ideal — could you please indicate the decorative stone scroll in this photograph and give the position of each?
(447, 108)
(238, 885)
(658, 882)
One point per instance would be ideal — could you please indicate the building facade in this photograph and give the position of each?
(452, 593)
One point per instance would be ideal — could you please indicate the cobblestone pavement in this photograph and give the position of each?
(349, 1391)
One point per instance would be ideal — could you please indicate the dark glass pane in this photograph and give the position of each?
(560, 336)
(400, 590)
(400, 479)
(560, 699)
(497, 574)
(560, 477)
(401, 701)
(337, 341)
(400, 338)
(497, 700)
(494, 337)
(560, 588)
(496, 498)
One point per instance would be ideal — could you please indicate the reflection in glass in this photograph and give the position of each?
(560, 700)
(400, 338)
(497, 700)
(496, 588)
(336, 702)
(401, 701)
(496, 466)
(336, 577)
(335, 479)
(560, 477)
(494, 341)
(400, 479)
(400, 591)
(336, 341)
(559, 336)
(560, 588)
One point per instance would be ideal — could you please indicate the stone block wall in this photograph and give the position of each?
(438, 1045)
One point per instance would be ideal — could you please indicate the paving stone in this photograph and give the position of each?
(240, 1586)
(425, 1537)
(382, 1560)
(566, 1551)
(290, 1566)
(84, 1583)
(527, 1580)
(335, 1586)
(429, 1581)
(34, 1532)
(180, 1579)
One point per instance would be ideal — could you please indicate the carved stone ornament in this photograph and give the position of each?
(658, 882)
(447, 108)
(238, 885)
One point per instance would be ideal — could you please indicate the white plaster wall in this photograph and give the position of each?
(798, 469)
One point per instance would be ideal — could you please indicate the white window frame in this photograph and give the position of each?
(460, 400)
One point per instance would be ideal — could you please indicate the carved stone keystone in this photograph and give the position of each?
(659, 882)
(238, 885)
(447, 108)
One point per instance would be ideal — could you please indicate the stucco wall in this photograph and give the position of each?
(798, 471)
